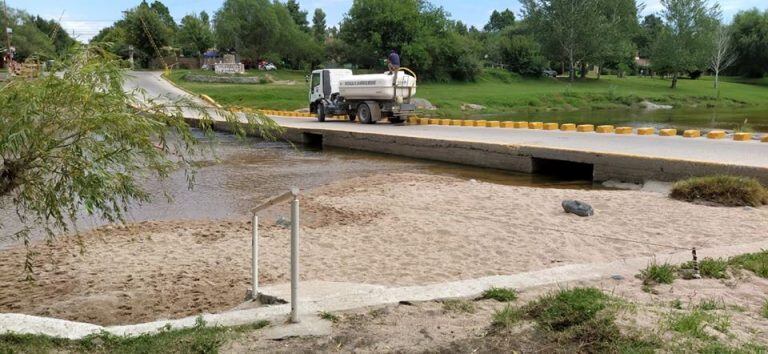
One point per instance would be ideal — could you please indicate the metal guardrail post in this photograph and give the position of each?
(255, 259)
(295, 256)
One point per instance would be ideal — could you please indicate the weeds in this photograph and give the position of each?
(691, 323)
(197, 339)
(500, 294)
(710, 268)
(329, 316)
(507, 317)
(711, 304)
(754, 262)
(764, 309)
(658, 274)
(455, 305)
(567, 308)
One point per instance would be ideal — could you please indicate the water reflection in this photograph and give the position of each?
(247, 171)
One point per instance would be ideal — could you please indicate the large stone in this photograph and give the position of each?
(579, 208)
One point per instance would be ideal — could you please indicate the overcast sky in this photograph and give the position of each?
(85, 18)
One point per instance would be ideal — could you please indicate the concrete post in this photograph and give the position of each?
(295, 256)
(255, 259)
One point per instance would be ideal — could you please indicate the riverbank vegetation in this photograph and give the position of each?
(721, 190)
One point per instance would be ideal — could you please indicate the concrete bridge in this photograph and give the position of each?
(629, 158)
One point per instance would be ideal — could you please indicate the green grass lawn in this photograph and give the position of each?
(503, 93)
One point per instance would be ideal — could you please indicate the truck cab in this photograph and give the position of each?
(369, 98)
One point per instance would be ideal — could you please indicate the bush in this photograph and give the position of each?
(723, 190)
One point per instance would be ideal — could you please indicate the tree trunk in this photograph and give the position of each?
(717, 79)
(572, 73)
(583, 70)
(598, 71)
(674, 80)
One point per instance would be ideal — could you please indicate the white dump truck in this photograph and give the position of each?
(369, 98)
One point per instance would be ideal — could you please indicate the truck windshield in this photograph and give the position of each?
(315, 80)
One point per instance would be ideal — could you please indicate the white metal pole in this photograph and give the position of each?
(255, 259)
(295, 257)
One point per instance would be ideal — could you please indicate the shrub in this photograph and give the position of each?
(723, 190)
(500, 294)
(658, 274)
(754, 262)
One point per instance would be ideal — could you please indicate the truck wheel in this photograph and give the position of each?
(321, 112)
(364, 112)
(352, 116)
(369, 112)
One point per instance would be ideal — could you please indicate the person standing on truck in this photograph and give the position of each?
(393, 62)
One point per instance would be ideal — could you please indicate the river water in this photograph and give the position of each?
(246, 171)
(746, 119)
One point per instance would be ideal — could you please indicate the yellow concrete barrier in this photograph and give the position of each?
(480, 123)
(623, 130)
(535, 125)
(507, 124)
(605, 129)
(646, 131)
(764, 139)
(467, 123)
(456, 122)
(568, 127)
(492, 124)
(551, 126)
(716, 134)
(585, 128)
(692, 133)
(423, 121)
(445, 122)
(668, 132)
(521, 125)
(434, 121)
(413, 120)
(742, 136)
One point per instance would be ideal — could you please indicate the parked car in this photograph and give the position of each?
(549, 73)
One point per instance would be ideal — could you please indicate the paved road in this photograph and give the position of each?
(726, 152)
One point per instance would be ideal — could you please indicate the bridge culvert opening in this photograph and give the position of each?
(565, 170)
(312, 139)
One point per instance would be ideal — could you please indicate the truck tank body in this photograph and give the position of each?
(377, 87)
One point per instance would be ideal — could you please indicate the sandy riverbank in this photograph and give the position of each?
(394, 229)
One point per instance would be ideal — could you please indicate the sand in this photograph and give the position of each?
(393, 229)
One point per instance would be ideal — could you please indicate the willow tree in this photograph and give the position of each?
(78, 143)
